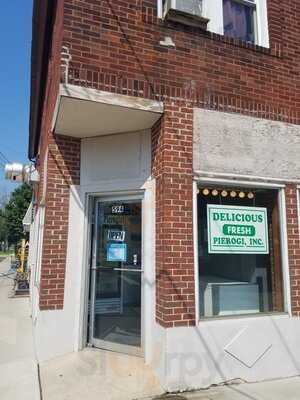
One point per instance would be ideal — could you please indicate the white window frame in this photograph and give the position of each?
(252, 4)
(213, 10)
(261, 23)
(283, 239)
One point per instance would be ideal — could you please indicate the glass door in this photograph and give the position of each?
(115, 312)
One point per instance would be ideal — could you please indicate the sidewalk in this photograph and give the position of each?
(98, 375)
(286, 389)
(95, 374)
(18, 368)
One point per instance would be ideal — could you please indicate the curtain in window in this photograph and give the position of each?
(238, 20)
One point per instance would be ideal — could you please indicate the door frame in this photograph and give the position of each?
(92, 200)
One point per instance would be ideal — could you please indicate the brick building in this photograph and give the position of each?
(166, 136)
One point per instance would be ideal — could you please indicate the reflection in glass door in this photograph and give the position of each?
(115, 313)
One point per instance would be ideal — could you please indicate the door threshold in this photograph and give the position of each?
(131, 352)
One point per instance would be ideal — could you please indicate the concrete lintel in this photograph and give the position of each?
(113, 99)
(83, 112)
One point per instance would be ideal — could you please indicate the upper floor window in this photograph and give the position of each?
(189, 6)
(239, 17)
(242, 19)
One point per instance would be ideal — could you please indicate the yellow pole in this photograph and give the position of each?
(22, 255)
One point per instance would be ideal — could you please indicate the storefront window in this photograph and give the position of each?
(239, 252)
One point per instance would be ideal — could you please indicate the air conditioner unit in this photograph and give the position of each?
(188, 12)
(17, 172)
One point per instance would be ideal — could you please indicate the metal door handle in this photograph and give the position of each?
(128, 270)
(100, 267)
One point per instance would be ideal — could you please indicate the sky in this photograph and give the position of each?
(15, 48)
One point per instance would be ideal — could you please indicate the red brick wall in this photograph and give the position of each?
(293, 245)
(63, 171)
(115, 46)
(63, 163)
(52, 88)
(172, 150)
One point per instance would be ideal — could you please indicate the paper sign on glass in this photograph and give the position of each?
(117, 252)
(116, 235)
(235, 229)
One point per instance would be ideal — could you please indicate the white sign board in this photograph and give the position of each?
(237, 230)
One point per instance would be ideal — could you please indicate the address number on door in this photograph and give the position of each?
(119, 209)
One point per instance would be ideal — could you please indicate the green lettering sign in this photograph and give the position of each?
(237, 229)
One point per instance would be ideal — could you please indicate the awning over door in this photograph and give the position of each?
(84, 112)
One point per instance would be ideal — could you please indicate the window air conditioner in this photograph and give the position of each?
(189, 12)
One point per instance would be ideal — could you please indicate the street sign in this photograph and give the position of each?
(237, 230)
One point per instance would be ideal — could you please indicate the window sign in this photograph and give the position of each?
(115, 235)
(237, 230)
(117, 252)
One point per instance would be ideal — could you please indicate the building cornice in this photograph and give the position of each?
(42, 25)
